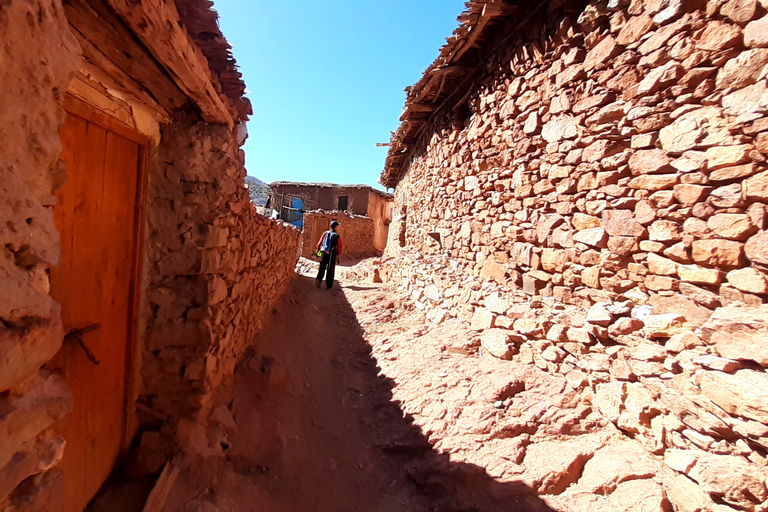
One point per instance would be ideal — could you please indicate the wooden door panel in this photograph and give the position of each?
(96, 216)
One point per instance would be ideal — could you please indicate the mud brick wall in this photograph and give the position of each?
(38, 60)
(380, 210)
(607, 163)
(214, 268)
(357, 233)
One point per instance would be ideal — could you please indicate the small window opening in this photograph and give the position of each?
(343, 203)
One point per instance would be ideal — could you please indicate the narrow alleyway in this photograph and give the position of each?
(318, 429)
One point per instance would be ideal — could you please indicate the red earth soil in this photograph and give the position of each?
(318, 428)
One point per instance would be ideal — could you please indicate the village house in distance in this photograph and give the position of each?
(364, 212)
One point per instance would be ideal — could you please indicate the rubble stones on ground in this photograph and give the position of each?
(740, 393)
(682, 341)
(665, 325)
(718, 363)
(732, 478)
(551, 466)
(661, 416)
(617, 463)
(685, 494)
(498, 343)
(598, 314)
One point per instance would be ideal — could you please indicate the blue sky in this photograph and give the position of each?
(326, 79)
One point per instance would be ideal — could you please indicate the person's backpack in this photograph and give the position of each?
(330, 239)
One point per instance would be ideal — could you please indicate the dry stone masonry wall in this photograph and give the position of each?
(357, 233)
(214, 269)
(600, 212)
(38, 60)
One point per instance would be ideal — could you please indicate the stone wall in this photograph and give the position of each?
(357, 233)
(599, 146)
(38, 60)
(213, 266)
(599, 211)
(214, 270)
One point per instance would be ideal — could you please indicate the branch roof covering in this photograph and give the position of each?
(445, 81)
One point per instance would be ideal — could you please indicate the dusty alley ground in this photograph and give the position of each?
(323, 415)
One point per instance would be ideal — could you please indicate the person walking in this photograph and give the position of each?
(329, 250)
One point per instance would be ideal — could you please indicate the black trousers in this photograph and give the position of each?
(327, 262)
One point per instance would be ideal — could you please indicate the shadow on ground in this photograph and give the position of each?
(318, 428)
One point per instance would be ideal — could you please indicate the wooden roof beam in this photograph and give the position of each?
(490, 11)
(156, 23)
(416, 107)
(436, 75)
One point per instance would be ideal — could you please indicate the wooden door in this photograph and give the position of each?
(96, 215)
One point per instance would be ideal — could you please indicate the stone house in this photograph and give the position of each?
(134, 269)
(563, 163)
(289, 197)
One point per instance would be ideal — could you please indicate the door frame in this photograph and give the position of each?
(79, 108)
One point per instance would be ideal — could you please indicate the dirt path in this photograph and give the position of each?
(318, 429)
(310, 408)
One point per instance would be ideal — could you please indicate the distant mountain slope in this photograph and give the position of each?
(258, 190)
